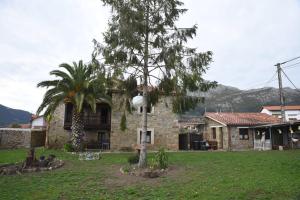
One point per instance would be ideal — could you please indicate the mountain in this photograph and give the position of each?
(9, 116)
(230, 99)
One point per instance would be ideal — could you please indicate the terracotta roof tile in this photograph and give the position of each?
(246, 119)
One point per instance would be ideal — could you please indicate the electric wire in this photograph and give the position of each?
(290, 80)
(291, 66)
(290, 60)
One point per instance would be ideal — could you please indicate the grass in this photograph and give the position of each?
(197, 175)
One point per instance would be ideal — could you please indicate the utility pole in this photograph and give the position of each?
(281, 92)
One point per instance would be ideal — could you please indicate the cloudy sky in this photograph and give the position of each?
(247, 38)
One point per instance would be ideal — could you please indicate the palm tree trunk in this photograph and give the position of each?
(77, 130)
(47, 136)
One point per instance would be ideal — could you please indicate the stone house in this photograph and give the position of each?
(102, 129)
(234, 131)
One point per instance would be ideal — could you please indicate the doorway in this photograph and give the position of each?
(104, 140)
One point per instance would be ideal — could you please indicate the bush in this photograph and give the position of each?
(161, 159)
(68, 147)
(134, 159)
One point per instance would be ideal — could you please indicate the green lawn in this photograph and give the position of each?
(194, 175)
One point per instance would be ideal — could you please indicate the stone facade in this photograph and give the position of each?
(162, 122)
(58, 136)
(11, 138)
(228, 137)
(237, 143)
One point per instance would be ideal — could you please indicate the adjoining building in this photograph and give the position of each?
(191, 129)
(278, 135)
(234, 131)
(38, 122)
(292, 113)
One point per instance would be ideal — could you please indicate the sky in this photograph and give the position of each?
(247, 38)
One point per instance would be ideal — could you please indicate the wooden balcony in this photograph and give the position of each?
(92, 121)
(89, 125)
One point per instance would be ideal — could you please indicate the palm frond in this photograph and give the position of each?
(68, 67)
(47, 84)
(77, 84)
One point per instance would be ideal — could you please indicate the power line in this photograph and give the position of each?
(292, 66)
(290, 81)
(290, 60)
(271, 79)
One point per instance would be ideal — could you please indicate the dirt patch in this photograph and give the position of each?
(32, 164)
(116, 179)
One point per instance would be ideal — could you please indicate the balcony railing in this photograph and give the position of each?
(90, 125)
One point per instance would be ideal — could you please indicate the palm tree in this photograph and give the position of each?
(80, 86)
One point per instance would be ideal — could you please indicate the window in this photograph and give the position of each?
(244, 135)
(68, 111)
(292, 119)
(149, 136)
(214, 133)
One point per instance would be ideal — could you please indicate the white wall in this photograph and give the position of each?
(292, 114)
(288, 113)
(38, 122)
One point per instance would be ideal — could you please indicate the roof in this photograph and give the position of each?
(244, 119)
(24, 126)
(277, 108)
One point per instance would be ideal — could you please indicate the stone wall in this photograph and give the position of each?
(162, 121)
(58, 136)
(11, 138)
(236, 142)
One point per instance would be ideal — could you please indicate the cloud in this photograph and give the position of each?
(36, 37)
(247, 38)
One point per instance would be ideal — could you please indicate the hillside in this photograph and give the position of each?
(230, 99)
(9, 116)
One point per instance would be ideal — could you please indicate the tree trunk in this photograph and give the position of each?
(47, 136)
(143, 152)
(77, 130)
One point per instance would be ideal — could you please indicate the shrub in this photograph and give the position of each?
(161, 159)
(133, 159)
(123, 125)
(126, 169)
(68, 147)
